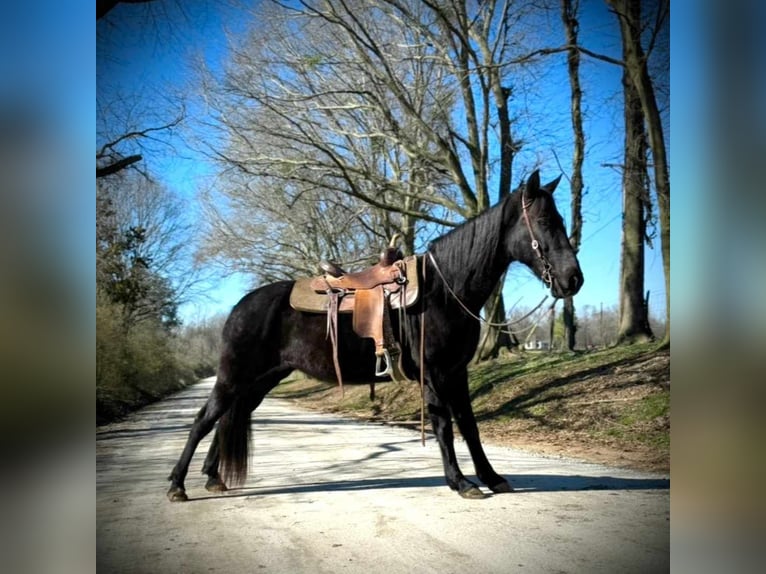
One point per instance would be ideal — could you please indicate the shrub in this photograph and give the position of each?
(135, 364)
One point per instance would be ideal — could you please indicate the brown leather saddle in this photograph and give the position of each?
(369, 294)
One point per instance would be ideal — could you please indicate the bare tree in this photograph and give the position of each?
(143, 251)
(637, 68)
(641, 34)
(569, 10)
(401, 106)
(287, 231)
(642, 116)
(634, 313)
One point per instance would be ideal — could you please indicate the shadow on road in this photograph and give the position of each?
(187, 419)
(522, 483)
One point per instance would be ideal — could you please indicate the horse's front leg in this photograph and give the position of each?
(460, 403)
(441, 422)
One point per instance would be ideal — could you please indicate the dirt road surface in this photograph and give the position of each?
(326, 494)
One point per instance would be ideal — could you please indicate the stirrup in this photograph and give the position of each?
(383, 364)
(392, 368)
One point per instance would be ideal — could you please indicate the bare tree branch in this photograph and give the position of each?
(118, 165)
(116, 161)
(137, 134)
(103, 7)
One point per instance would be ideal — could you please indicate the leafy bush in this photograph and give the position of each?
(135, 363)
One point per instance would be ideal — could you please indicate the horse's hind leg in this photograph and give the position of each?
(257, 392)
(220, 399)
(214, 481)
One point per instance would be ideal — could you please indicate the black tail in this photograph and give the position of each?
(234, 442)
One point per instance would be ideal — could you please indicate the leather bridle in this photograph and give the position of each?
(546, 271)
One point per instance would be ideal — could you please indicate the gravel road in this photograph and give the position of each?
(326, 494)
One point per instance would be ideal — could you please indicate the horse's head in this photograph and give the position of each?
(541, 242)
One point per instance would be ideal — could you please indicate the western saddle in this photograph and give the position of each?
(369, 294)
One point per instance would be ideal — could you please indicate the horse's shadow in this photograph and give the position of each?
(522, 483)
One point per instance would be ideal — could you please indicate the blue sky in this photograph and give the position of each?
(151, 58)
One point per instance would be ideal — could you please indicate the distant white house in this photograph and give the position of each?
(536, 345)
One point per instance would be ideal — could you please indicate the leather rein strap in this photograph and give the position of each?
(423, 361)
(332, 331)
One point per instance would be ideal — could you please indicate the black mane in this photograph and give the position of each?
(473, 254)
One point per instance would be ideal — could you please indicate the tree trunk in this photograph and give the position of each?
(569, 17)
(634, 323)
(494, 339)
(552, 327)
(629, 14)
(570, 324)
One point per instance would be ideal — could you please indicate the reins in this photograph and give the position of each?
(471, 313)
(422, 364)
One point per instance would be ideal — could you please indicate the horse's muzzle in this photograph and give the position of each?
(568, 283)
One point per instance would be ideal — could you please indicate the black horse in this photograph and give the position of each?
(264, 339)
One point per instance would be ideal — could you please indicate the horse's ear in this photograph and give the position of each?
(533, 183)
(551, 186)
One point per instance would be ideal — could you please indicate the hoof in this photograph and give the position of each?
(176, 494)
(501, 487)
(215, 484)
(472, 493)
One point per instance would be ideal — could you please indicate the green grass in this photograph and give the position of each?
(641, 422)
